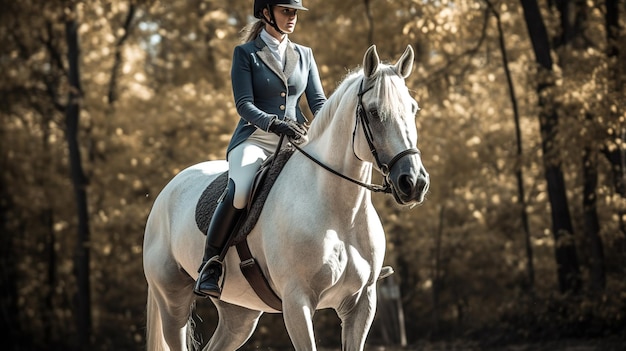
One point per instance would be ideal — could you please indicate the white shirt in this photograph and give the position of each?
(276, 47)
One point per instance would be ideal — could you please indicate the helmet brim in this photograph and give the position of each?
(258, 10)
(297, 7)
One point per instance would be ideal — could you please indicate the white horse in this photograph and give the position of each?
(319, 241)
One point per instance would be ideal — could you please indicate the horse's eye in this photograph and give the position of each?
(374, 113)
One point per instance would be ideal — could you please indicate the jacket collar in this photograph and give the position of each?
(291, 59)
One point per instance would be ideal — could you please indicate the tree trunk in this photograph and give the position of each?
(9, 312)
(568, 270)
(617, 80)
(117, 61)
(436, 271)
(79, 181)
(597, 272)
(612, 28)
(47, 221)
(530, 270)
(573, 16)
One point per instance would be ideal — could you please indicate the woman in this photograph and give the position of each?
(269, 75)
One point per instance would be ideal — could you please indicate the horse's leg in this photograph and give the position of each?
(298, 310)
(234, 328)
(175, 309)
(172, 292)
(357, 320)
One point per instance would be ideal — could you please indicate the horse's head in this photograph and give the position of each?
(386, 110)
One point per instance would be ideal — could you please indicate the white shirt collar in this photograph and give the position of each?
(277, 47)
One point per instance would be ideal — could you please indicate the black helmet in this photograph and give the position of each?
(259, 5)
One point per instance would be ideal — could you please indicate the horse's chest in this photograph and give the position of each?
(344, 273)
(350, 262)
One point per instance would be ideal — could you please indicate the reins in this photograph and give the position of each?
(383, 168)
(386, 188)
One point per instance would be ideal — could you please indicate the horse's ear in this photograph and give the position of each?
(370, 61)
(405, 63)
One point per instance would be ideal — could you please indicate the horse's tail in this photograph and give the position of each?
(192, 342)
(155, 341)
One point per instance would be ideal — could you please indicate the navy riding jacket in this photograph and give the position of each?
(264, 91)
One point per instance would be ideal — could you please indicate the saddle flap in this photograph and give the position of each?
(262, 184)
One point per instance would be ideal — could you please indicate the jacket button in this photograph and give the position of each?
(283, 94)
(282, 107)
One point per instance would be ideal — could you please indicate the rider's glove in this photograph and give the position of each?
(288, 128)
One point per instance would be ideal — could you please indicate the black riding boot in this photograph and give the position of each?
(222, 224)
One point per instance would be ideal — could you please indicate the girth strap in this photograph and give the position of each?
(255, 277)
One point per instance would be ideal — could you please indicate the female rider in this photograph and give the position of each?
(269, 75)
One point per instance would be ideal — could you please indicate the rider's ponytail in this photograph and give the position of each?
(251, 31)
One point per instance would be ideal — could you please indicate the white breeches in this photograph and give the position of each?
(245, 160)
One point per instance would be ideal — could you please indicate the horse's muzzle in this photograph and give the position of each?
(410, 182)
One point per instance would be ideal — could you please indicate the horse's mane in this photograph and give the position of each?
(388, 86)
(326, 113)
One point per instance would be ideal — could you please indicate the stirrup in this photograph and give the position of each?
(196, 288)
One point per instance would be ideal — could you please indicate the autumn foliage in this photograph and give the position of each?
(497, 253)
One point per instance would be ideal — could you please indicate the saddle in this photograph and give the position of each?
(262, 184)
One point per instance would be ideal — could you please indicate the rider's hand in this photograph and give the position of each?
(288, 128)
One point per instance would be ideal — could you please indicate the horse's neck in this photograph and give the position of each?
(334, 149)
(334, 144)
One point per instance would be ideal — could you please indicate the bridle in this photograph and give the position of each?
(383, 168)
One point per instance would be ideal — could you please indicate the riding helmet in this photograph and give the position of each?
(259, 5)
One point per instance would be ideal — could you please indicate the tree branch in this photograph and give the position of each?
(469, 52)
(112, 94)
(518, 135)
(54, 53)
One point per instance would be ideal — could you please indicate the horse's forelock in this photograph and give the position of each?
(393, 95)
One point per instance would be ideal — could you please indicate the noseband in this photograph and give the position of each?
(384, 168)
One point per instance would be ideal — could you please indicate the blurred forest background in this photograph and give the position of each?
(522, 128)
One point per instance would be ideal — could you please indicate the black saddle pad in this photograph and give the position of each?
(208, 200)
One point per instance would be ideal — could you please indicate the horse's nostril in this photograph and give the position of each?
(422, 185)
(406, 184)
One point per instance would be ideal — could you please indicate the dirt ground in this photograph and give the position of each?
(561, 345)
